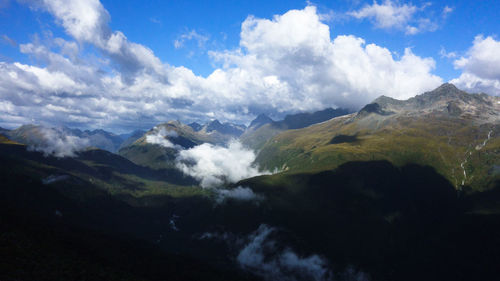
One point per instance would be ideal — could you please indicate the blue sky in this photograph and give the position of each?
(231, 60)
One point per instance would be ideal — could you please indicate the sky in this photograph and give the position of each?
(125, 65)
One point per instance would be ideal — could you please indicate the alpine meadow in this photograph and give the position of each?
(249, 140)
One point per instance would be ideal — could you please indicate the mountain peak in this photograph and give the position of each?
(196, 126)
(445, 99)
(261, 120)
(225, 129)
(446, 87)
(214, 122)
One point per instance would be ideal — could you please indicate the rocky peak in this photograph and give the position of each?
(261, 120)
(196, 126)
(226, 128)
(446, 99)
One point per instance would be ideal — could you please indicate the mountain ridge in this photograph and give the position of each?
(455, 132)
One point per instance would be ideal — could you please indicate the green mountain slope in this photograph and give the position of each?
(109, 172)
(455, 132)
(264, 128)
(390, 222)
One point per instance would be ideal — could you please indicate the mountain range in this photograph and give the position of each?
(399, 190)
(454, 132)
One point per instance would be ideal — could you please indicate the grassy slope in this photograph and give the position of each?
(391, 222)
(109, 172)
(443, 143)
(150, 155)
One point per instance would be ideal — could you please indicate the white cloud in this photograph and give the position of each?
(447, 10)
(394, 15)
(262, 257)
(309, 71)
(387, 15)
(480, 66)
(160, 137)
(271, 71)
(238, 193)
(55, 142)
(215, 165)
(87, 21)
(444, 54)
(263, 253)
(190, 35)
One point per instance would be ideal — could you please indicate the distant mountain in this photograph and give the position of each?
(196, 126)
(101, 139)
(34, 134)
(26, 134)
(158, 147)
(130, 138)
(456, 133)
(227, 128)
(4, 131)
(356, 194)
(263, 128)
(302, 120)
(260, 121)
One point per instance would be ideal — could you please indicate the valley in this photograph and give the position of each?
(397, 190)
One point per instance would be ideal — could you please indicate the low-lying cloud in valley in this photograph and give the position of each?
(215, 165)
(160, 136)
(238, 193)
(53, 141)
(263, 253)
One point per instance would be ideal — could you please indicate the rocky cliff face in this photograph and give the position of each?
(446, 100)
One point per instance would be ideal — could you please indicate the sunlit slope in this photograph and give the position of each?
(455, 132)
(263, 128)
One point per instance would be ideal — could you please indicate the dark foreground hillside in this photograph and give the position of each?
(362, 221)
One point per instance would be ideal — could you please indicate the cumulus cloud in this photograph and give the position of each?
(87, 21)
(480, 66)
(126, 86)
(308, 71)
(395, 15)
(160, 137)
(238, 193)
(56, 142)
(215, 165)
